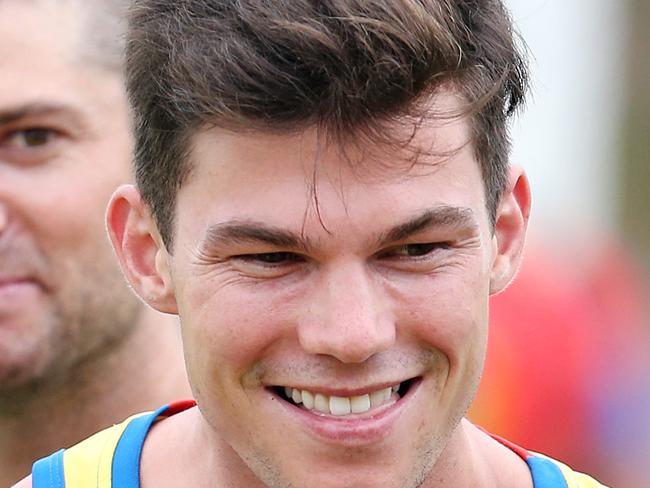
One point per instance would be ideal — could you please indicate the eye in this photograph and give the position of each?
(415, 250)
(271, 258)
(30, 145)
(31, 138)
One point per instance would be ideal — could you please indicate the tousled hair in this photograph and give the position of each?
(348, 67)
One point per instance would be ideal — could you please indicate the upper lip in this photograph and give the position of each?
(7, 280)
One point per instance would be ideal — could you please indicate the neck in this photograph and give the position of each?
(141, 373)
(471, 458)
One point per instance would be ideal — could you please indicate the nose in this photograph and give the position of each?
(346, 317)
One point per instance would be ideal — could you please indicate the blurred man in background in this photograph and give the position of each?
(78, 350)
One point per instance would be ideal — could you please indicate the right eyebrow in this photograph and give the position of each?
(248, 231)
(31, 109)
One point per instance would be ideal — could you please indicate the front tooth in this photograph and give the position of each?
(377, 398)
(296, 396)
(360, 404)
(288, 391)
(387, 392)
(321, 403)
(395, 388)
(339, 405)
(307, 399)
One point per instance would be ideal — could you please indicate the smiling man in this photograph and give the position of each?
(324, 198)
(78, 350)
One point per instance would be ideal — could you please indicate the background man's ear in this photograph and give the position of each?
(510, 229)
(139, 248)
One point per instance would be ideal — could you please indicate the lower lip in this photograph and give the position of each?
(13, 292)
(353, 431)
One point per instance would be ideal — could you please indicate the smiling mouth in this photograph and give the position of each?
(340, 406)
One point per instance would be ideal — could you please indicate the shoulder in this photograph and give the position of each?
(574, 479)
(547, 472)
(91, 462)
(88, 463)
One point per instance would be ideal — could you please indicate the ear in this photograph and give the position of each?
(139, 249)
(510, 229)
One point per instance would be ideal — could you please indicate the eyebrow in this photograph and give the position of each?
(442, 216)
(250, 231)
(246, 231)
(32, 109)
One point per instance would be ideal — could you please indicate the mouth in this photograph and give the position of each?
(345, 406)
(13, 289)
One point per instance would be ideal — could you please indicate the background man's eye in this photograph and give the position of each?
(31, 137)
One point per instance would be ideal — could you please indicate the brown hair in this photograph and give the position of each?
(344, 66)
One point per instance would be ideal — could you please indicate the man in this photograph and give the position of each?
(78, 351)
(323, 197)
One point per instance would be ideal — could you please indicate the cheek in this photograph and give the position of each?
(447, 313)
(230, 330)
(73, 200)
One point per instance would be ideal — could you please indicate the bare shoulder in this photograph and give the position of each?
(24, 483)
(498, 462)
(170, 451)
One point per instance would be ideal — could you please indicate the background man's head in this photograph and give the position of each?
(64, 146)
(250, 65)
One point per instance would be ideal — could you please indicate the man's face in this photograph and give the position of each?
(64, 146)
(363, 289)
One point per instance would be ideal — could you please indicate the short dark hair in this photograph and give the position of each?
(345, 66)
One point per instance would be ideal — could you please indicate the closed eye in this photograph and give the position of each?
(417, 250)
(271, 258)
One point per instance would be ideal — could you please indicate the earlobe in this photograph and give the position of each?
(510, 229)
(139, 249)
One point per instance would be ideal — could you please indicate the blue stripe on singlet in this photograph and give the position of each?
(48, 472)
(546, 474)
(126, 460)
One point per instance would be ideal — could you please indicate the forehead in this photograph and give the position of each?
(400, 148)
(42, 44)
(39, 29)
(300, 182)
(42, 64)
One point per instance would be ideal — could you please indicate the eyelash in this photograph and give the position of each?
(428, 248)
(271, 259)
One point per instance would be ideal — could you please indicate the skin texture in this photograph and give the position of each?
(71, 332)
(364, 292)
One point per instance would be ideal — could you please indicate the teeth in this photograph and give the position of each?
(360, 404)
(339, 405)
(321, 403)
(307, 399)
(377, 397)
(335, 405)
(296, 395)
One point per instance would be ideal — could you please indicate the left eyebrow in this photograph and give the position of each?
(442, 216)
